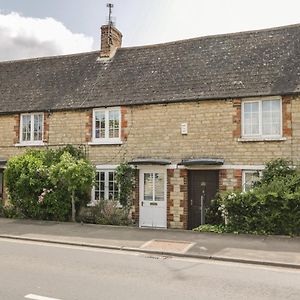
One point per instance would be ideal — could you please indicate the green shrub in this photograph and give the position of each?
(26, 177)
(87, 215)
(9, 211)
(211, 228)
(37, 191)
(213, 214)
(271, 207)
(276, 169)
(265, 213)
(112, 214)
(106, 212)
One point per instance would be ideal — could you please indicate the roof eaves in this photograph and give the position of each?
(161, 101)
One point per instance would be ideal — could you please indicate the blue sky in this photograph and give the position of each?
(30, 28)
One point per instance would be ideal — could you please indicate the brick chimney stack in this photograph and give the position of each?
(111, 40)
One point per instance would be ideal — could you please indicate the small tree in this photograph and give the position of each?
(73, 175)
(35, 193)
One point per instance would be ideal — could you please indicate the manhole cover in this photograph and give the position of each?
(168, 246)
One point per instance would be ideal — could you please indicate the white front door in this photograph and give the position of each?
(153, 204)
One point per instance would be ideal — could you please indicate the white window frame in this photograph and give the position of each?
(244, 172)
(106, 185)
(260, 135)
(31, 141)
(106, 139)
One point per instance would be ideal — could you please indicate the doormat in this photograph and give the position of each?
(168, 246)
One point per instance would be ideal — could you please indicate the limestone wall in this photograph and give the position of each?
(154, 131)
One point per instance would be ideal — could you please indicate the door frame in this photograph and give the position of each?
(152, 169)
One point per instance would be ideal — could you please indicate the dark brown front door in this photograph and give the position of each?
(202, 187)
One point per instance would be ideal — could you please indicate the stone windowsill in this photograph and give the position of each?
(30, 144)
(262, 139)
(105, 142)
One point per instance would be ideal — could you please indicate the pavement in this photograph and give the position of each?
(279, 251)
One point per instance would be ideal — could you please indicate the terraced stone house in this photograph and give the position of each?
(193, 117)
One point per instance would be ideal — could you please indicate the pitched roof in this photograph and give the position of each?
(256, 63)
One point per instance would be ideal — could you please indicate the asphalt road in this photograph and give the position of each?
(44, 272)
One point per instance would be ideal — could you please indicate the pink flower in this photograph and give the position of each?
(43, 194)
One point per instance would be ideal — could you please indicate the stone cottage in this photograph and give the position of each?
(193, 117)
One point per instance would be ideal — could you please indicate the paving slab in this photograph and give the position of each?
(272, 250)
(260, 255)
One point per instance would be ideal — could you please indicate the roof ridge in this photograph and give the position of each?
(153, 45)
(261, 63)
(48, 57)
(277, 28)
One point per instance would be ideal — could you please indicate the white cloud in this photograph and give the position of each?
(23, 37)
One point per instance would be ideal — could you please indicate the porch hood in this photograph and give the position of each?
(150, 161)
(202, 162)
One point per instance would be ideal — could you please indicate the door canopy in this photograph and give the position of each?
(202, 161)
(150, 161)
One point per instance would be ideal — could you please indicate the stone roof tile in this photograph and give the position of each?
(254, 63)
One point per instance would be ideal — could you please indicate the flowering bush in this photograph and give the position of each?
(37, 193)
(277, 169)
(43, 194)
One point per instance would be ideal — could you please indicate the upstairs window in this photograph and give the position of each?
(31, 128)
(262, 118)
(106, 125)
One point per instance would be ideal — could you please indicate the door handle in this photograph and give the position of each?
(142, 203)
(191, 202)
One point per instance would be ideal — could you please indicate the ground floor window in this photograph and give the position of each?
(105, 186)
(249, 178)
